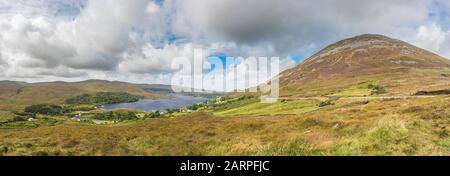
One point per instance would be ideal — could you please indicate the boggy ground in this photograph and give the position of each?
(391, 126)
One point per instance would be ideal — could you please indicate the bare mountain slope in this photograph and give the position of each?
(351, 64)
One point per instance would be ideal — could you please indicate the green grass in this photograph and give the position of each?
(388, 137)
(6, 115)
(412, 126)
(258, 108)
(41, 121)
(362, 89)
(394, 127)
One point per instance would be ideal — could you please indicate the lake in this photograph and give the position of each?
(176, 102)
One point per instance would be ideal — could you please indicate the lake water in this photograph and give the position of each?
(178, 101)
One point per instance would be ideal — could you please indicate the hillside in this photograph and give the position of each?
(17, 95)
(351, 98)
(342, 67)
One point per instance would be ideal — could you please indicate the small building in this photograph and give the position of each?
(163, 112)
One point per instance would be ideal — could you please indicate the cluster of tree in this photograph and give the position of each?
(15, 119)
(46, 109)
(246, 97)
(196, 106)
(103, 98)
(23, 121)
(160, 113)
(325, 103)
(19, 117)
(116, 115)
(155, 114)
(83, 108)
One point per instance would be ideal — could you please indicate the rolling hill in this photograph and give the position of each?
(17, 95)
(351, 98)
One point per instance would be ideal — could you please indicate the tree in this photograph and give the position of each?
(46, 109)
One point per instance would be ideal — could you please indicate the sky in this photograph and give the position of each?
(138, 40)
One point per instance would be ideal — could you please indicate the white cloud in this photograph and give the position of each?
(290, 25)
(62, 71)
(430, 37)
(134, 40)
(433, 38)
(152, 8)
(154, 60)
(96, 39)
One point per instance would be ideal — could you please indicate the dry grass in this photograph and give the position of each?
(381, 127)
(17, 98)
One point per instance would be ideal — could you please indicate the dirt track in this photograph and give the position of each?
(358, 97)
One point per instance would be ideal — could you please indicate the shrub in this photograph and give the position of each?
(116, 115)
(46, 109)
(83, 108)
(20, 124)
(3, 150)
(196, 106)
(325, 103)
(155, 114)
(19, 119)
(245, 97)
(376, 89)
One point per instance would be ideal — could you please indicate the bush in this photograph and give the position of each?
(20, 124)
(83, 108)
(376, 89)
(46, 109)
(245, 97)
(197, 106)
(19, 119)
(116, 115)
(103, 98)
(325, 103)
(3, 150)
(155, 114)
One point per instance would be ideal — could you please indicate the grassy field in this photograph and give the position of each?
(354, 97)
(256, 108)
(6, 115)
(355, 119)
(414, 126)
(361, 89)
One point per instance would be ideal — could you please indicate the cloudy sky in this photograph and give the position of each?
(137, 40)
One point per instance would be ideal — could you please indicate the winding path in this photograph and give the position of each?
(358, 97)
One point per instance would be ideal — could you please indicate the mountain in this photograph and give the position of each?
(17, 95)
(8, 86)
(168, 89)
(348, 66)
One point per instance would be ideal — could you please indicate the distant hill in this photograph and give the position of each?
(349, 66)
(168, 89)
(17, 95)
(7, 87)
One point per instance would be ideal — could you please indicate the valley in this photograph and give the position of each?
(366, 95)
